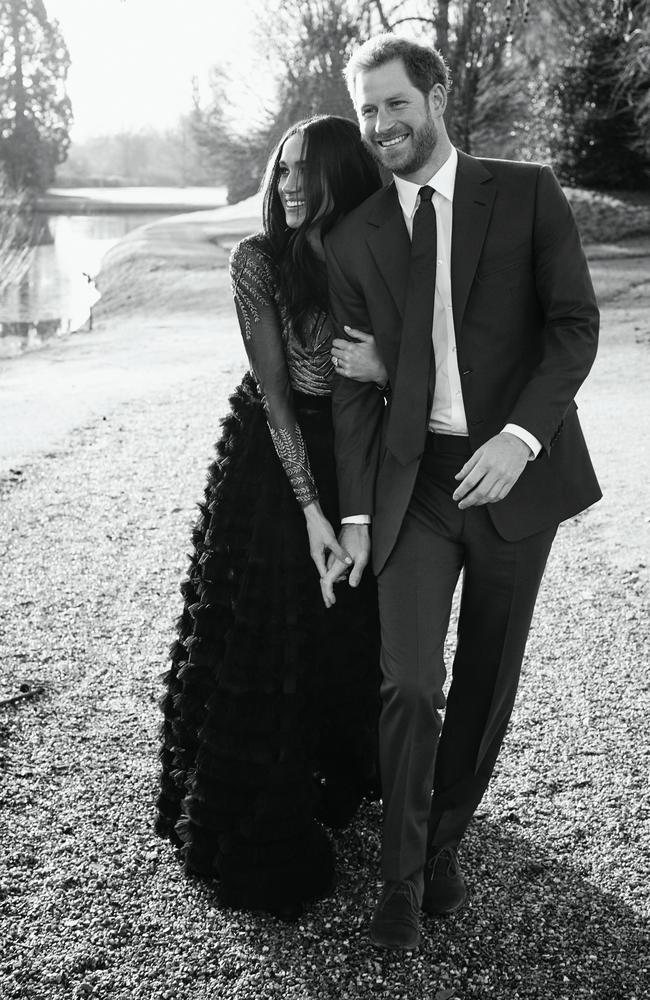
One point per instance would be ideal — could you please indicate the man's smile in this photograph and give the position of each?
(394, 141)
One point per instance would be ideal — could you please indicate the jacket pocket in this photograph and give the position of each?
(519, 258)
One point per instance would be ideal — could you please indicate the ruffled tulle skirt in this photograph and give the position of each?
(271, 702)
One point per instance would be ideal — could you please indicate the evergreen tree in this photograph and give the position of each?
(633, 84)
(599, 142)
(35, 111)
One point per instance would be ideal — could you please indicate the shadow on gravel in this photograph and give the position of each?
(534, 929)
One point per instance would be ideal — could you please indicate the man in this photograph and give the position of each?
(468, 461)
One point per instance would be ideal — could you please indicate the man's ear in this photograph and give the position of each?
(437, 100)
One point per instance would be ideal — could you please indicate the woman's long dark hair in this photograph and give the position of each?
(340, 172)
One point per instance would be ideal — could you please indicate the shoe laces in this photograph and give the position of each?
(443, 864)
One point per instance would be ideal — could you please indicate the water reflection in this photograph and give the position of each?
(15, 338)
(56, 294)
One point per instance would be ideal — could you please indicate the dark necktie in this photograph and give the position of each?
(407, 422)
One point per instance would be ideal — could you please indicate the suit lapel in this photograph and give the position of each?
(389, 244)
(474, 195)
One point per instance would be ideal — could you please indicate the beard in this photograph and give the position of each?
(424, 141)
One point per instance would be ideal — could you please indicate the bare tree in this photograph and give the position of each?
(15, 249)
(502, 56)
(306, 44)
(237, 157)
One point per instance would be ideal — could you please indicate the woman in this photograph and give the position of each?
(272, 700)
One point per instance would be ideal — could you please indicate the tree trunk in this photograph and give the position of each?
(442, 28)
(383, 19)
(19, 85)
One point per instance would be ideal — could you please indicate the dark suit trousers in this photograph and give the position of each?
(500, 584)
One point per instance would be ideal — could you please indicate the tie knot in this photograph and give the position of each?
(426, 193)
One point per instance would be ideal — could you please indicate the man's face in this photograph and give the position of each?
(397, 122)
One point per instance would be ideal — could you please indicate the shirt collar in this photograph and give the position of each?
(443, 181)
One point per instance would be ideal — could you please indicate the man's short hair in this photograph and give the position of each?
(424, 65)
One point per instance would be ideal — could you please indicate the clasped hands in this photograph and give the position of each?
(486, 477)
(354, 540)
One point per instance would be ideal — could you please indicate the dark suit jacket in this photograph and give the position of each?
(526, 324)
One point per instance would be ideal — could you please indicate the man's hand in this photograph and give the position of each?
(491, 472)
(354, 539)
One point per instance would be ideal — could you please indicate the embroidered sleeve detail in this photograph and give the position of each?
(265, 333)
(251, 286)
(293, 455)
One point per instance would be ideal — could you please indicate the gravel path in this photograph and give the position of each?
(92, 904)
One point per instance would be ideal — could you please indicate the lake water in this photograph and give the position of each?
(57, 292)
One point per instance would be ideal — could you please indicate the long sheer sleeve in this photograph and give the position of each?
(253, 284)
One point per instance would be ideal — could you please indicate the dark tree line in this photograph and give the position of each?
(531, 79)
(146, 156)
(539, 79)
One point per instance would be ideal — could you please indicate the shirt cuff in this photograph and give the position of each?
(526, 437)
(356, 519)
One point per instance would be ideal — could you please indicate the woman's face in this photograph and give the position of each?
(290, 181)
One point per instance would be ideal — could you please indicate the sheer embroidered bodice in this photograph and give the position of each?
(281, 358)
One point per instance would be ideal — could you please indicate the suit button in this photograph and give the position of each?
(468, 371)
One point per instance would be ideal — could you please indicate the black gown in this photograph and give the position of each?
(271, 700)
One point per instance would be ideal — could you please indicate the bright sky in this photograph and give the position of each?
(133, 60)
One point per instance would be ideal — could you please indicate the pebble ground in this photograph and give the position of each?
(93, 537)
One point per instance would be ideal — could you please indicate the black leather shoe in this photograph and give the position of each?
(444, 886)
(396, 921)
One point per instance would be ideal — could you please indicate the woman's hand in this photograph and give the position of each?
(322, 539)
(358, 358)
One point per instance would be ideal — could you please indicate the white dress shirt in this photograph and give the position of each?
(448, 409)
